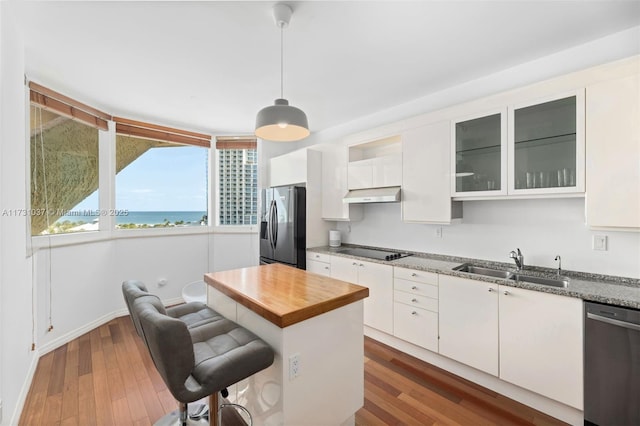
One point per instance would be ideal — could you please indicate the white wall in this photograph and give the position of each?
(83, 281)
(16, 357)
(490, 229)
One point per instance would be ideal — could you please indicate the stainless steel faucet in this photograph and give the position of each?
(518, 258)
(559, 260)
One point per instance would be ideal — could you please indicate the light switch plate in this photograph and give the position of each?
(600, 242)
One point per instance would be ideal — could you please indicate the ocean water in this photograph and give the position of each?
(138, 217)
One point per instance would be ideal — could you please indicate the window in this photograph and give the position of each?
(64, 163)
(237, 177)
(161, 176)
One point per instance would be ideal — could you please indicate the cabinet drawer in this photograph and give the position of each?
(416, 288)
(417, 326)
(416, 301)
(415, 275)
(321, 268)
(320, 257)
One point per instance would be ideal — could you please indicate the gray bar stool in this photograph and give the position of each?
(196, 361)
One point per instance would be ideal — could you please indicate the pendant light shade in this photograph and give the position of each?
(282, 122)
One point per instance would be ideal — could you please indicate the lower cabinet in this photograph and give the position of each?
(541, 343)
(319, 263)
(469, 322)
(415, 309)
(529, 338)
(378, 307)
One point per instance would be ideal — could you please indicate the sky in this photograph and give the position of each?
(162, 179)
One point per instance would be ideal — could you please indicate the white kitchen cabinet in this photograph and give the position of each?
(319, 263)
(531, 148)
(375, 164)
(304, 168)
(293, 168)
(479, 154)
(378, 307)
(334, 185)
(387, 170)
(375, 172)
(469, 322)
(546, 145)
(426, 174)
(360, 174)
(613, 150)
(415, 325)
(541, 343)
(415, 309)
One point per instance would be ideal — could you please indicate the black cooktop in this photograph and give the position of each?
(372, 253)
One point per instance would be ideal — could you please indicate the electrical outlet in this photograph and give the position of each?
(162, 282)
(600, 242)
(294, 366)
(439, 232)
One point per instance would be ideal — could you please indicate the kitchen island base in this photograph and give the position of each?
(329, 352)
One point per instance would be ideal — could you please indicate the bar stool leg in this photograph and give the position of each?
(213, 409)
(183, 413)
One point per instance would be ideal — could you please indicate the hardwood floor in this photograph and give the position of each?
(106, 377)
(401, 389)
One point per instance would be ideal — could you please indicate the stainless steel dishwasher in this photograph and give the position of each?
(611, 365)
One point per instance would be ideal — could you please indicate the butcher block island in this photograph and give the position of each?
(314, 325)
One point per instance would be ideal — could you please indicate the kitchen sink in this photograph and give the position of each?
(554, 282)
(479, 270)
(515, 276)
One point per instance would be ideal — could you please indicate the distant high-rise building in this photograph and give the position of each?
(238, 186)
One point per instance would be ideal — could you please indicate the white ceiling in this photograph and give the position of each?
(211, 66)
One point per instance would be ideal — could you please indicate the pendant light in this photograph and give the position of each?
(282, 122)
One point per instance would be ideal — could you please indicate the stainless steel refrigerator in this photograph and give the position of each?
(283, 226)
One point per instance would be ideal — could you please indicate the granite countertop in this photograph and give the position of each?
(619, 291)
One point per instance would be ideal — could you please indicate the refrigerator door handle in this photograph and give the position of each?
(275, 222)
(271, 209)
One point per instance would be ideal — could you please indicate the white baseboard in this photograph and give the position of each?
(24, 391)
(67, 337)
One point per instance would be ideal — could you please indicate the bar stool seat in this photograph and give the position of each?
(193, 314)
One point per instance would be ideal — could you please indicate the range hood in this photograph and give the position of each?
(389, 194)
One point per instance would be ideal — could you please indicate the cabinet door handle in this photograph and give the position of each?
(414, 300)
(317, 256)
(355, 263)
(414, 288)
(490, 289)
(414, 313)
(326, 267)
(361, 265)
(506, 293)
(414, 274)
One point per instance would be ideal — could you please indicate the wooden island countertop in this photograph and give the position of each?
(284, 295)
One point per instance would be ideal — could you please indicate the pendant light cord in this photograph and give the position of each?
(281, 60)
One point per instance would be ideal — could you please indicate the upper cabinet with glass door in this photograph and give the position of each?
(529, 149)
(479, 155)
(546, 146)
